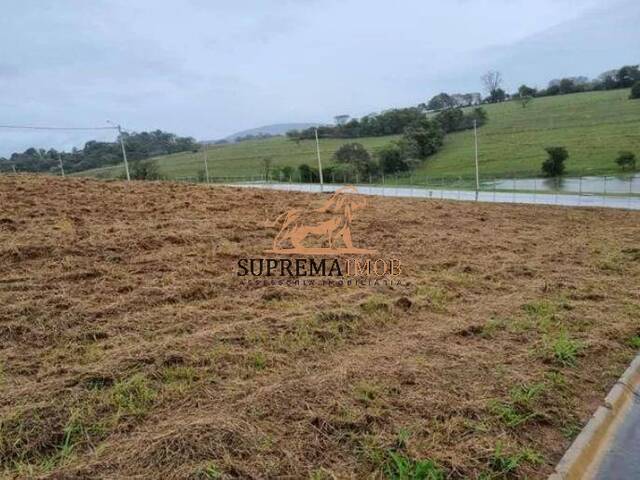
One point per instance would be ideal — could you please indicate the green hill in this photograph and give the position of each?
(593, 126)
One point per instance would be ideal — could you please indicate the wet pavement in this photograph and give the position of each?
(575, 200)
(622, 459)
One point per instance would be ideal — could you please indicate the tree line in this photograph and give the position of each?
(94, 154)
(421, 138)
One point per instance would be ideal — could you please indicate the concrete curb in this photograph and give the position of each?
(585, 453)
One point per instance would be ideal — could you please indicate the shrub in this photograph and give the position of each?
(553, 166)
(308, 174)
(142, 170)
(355, 155)
(626, 160)
(635, 91)
(393, 158)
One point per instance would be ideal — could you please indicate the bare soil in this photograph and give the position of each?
(130, 349)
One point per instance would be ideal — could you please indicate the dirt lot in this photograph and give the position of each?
(129, 349)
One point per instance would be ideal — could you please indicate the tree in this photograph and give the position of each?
(492, 81)
(524, 100)
(553, 166)
(441, 101)
(356, 155)
(423, 139)
(306, 173)
(341, 119)
(567, 85)
(392, 158)
(626, 160)
(525, 91)
(450, 120)
(144, 170)
(627, 76)
(635, 91)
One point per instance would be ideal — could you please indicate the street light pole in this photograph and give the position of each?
(206, 161)
(124, 153)
(475, 134)
(61, 167)
(319, 161)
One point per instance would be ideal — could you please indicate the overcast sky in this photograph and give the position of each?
(210, 68)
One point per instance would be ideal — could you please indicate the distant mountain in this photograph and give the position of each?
(275, 129)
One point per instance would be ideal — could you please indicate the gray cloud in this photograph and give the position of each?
(210, 68)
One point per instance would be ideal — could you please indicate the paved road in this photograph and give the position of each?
(622, 460)
(575, 200)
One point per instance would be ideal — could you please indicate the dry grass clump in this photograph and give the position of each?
(129, 348)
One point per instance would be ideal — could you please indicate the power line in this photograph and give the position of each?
(31, 127)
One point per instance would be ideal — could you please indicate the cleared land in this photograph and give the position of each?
(129, 350)
(594, 127)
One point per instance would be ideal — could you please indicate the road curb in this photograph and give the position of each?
(584, 455)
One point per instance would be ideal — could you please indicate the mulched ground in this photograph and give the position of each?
(130, 349)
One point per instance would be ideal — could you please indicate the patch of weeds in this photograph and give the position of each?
(366, 392)
(508, 413)
(321, 474)
(562, 349)
(400, 467)
(179, 374)
(75, 432)
(571, 429)
(476, 426)
(208, 471)
(634, 342)
(556, 379)
(402, 438)
(258, 361)
(526, 395)
(133, 396)
(611, 261)
(542, 312)
(375, 305)
(493, 326)
(336, 316)
(520, 408)
(436, 297)
(504, 464)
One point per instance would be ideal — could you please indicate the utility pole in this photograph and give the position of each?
(124, 153)
(206, 163)
(319, 161)
(475, 135)
(61, 167)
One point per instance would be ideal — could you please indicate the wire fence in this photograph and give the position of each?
(607, 185)
(607, 191)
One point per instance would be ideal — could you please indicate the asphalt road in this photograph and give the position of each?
(622, 459)
(574, 200)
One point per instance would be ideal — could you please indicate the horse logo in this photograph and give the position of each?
(329, 225)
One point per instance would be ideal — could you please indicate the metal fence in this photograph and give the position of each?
(607, 191)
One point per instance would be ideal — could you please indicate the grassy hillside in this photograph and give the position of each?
(246, 158)
(594, 127)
